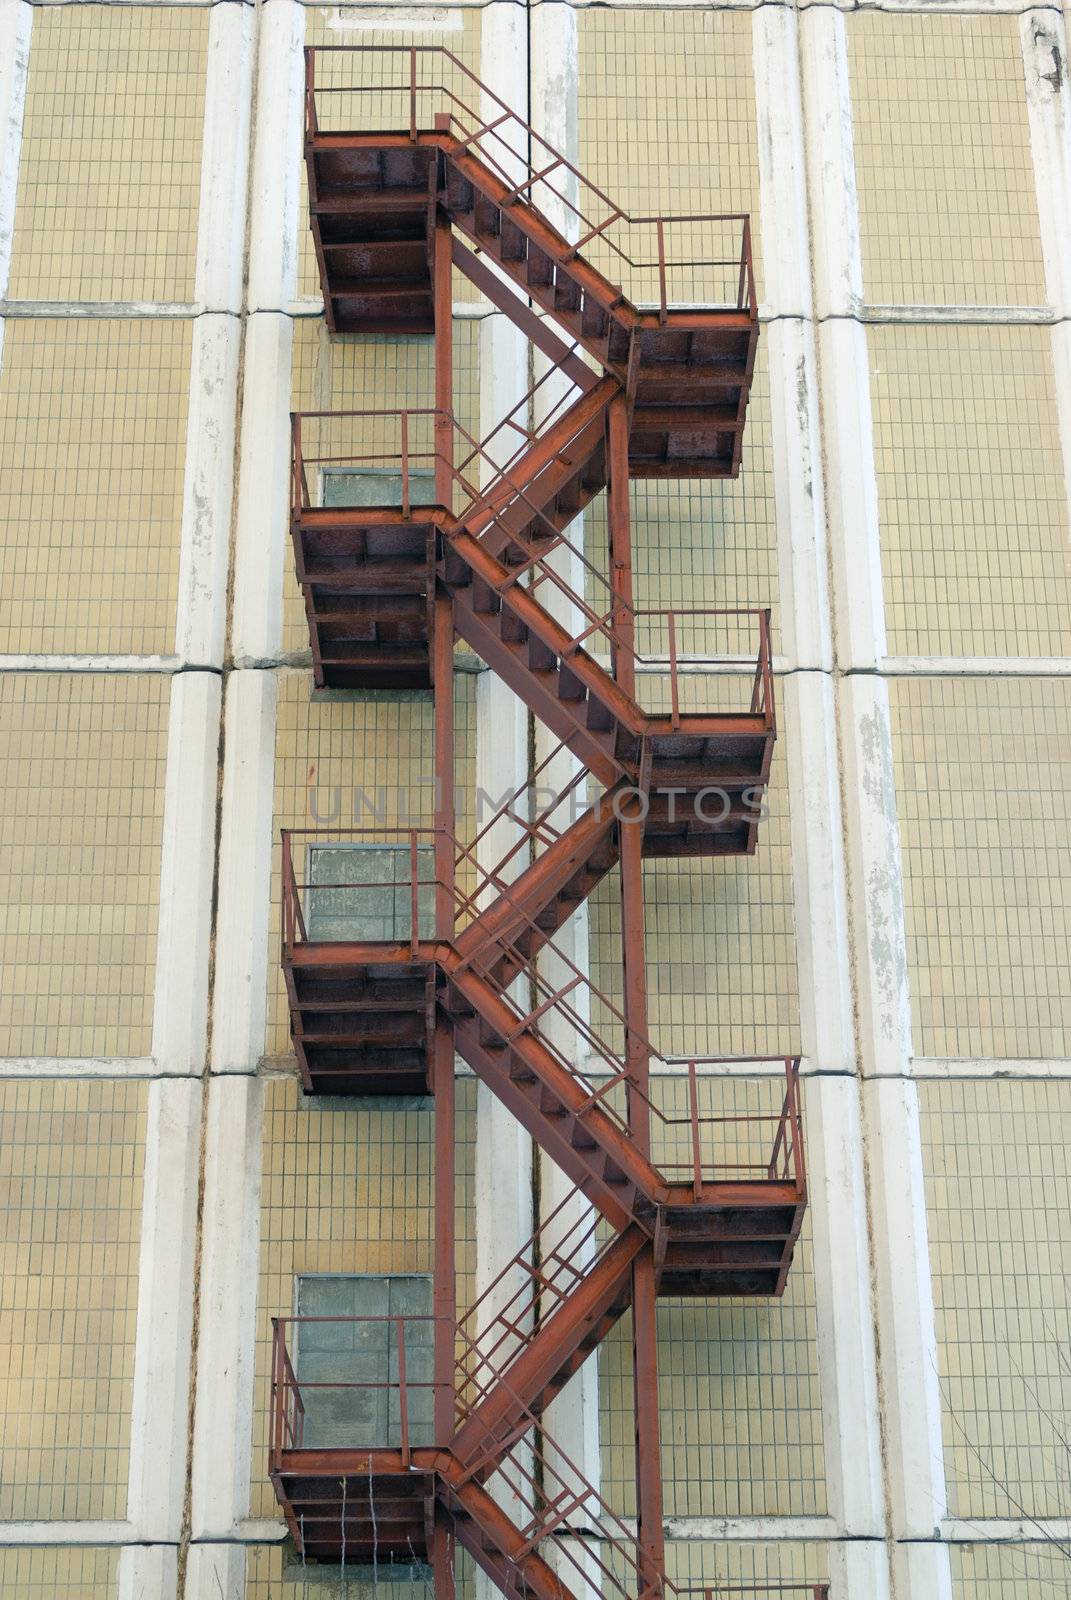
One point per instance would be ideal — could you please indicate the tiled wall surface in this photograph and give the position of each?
(70, 1176)
(983, 782)
(111, 165)
(997, 1170)
(666, 108)
(948, 214)
(974, 516)
(92, 450)
(82, 762)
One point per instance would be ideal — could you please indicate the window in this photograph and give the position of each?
(375, 486)
(362, 1358)
(364, 892)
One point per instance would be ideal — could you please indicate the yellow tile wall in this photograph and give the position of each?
(329, 749)
(66, 1573)
(92, 451)
(974, 521)
(81, 794)
(983, 782)
(667, 124)
(1007, 1571)
(998, 1188)
(721, 958)
(111, 154)
(740, 1404)
(701, 543)
(70, 1180)
(347, 1187)
(695, 1564)
(947, 203)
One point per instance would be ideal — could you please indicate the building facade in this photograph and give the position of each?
(895, 1422)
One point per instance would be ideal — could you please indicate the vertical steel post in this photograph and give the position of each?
(444, 357)
(442, 650)
(622, 651)
(441, 613)
(444, 1292)
(442, 643)
(644, 1334)
(442, 1563)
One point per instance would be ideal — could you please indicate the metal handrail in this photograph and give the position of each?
(785, 1161)
(548, 1485)
(496, 140)
(615, 627)
(286, 1385)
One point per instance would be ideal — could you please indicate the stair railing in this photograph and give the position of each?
(612, 1073)
(288, 1408)
(785, 1162)
(564, 1509)
(606, 1075)
(562, 1251)
(408, 841)
(611, 623)
(597, 220)
(511, 423)
(534, 827)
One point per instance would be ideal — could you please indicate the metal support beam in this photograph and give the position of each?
(442, 660)
(444, 356)
(644, 1331)
(619, 525)
(444, 1287)
(442, 1563)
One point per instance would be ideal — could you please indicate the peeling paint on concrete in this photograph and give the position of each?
(15, 25)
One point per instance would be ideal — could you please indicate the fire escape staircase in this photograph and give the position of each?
(363, 1013)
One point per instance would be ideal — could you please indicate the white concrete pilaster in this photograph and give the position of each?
(790, 348)
(1045, 67)
(879, 935)
(239, 1002)
(911, 1411)
(838, 1201)
(207, 490)
(572, 1418)
(184, 929)
(264, 487)
(847, 423)
(223, 1416)
(148, 1572)
(160, 1402)
(913, 1488)
(1044, 36)
(841, 1258)
(277, 146)
(208, 484)
(225, 165)
(808, 719)
(554, 85)
(263, 519)
(504, 1152)
(16, 21)
(912, 1401)
(841, 1251)
(215, 1572)
(859, 1567)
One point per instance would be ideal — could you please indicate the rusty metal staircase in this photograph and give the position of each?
(475, 544)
